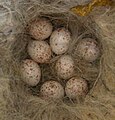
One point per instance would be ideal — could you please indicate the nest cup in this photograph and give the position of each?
(23, 102)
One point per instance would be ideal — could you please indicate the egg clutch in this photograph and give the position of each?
(48, 43)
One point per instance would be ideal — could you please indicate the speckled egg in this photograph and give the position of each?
(40, 29)
(88, 49)
(39, 51)
(30, 72)
(65, 67)
(60, 40)
(52, 90)
(76, 87)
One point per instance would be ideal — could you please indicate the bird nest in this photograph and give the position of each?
(19, 101)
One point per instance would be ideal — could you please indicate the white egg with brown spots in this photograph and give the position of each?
(40, 29)
(65, 67)
(30, 72)
(88, 49)
(52, 90)
(39, 51)
(76, 87)
(60, 40)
